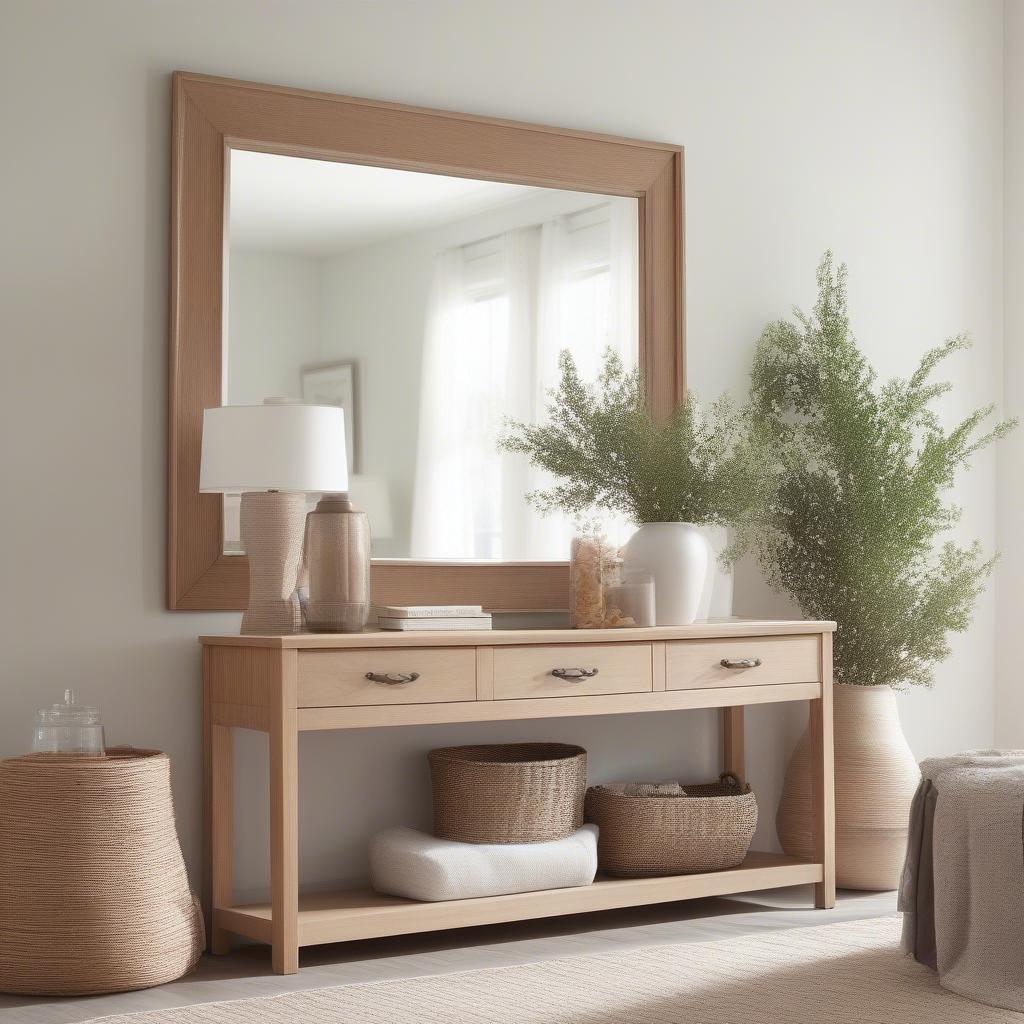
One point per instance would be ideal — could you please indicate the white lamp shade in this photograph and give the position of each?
(370, 494)
(273, 447)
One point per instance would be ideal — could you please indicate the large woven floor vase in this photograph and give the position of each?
(876, 775)
(93, 891)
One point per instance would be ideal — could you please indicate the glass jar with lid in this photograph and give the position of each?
(68, 728)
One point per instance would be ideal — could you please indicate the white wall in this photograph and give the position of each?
(1010, 687)
(872, 127)
(275, 321)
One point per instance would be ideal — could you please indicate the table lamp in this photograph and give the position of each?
(274, 454)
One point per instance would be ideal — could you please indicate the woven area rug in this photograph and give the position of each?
(849, 973)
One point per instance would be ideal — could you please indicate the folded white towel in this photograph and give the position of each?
(404, 862)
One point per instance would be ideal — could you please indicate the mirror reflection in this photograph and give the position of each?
(430, 308)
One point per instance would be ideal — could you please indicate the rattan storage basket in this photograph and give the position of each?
(93, 891)
(708, 829)
(508, 793)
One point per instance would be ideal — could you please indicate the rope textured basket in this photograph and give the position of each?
(93, 891)
(708, 829)
(509, 792)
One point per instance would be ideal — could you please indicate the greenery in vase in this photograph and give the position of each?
(858, 524)
(704, 465)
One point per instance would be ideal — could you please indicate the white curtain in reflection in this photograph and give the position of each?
(500, 312)
(480, 310)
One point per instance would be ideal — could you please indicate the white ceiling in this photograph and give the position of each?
(317, 207)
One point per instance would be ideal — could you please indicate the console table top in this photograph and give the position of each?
(710, 630)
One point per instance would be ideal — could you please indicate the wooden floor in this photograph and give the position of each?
(246, 973)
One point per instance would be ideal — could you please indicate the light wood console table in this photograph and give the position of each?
(287, 685)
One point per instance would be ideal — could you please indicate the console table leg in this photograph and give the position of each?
(218, 817)
(823, 781)
(222, 800)
(284, 819)
(733, 751)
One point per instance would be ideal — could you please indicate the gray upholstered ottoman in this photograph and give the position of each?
(962, 889)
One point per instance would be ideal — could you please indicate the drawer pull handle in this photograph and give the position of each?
(393, 678)
(740, 662)
(574, 675)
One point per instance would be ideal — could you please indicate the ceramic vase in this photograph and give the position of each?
(876, 776)
(677, 555)
(718, 582)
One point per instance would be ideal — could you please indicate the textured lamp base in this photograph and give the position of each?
(271, 528)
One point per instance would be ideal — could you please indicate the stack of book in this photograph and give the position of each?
(432, 616)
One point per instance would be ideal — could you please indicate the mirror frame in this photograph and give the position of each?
(212, 115)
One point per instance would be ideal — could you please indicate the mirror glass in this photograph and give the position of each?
(430, 308)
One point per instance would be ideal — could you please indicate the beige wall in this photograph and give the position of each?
(872, 127)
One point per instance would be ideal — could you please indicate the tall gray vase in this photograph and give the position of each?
(337, 553)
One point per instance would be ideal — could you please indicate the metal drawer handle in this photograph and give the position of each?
(740, 662)
(393, 678)
(573, 675)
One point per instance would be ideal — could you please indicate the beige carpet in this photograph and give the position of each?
(849, 973)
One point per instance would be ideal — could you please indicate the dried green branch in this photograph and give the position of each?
(856, 530)
(705, 466)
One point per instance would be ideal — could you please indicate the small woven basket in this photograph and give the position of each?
(93, 891)
(508, 793)
(708, 829)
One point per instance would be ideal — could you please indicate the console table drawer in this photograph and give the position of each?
(339, 678)
(605, 668)
(694, 664)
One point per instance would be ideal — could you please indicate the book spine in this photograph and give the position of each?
(451, 611)
(412, 625)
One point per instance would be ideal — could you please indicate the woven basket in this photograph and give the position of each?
(709, 829)
(93, 891)
(508, 793)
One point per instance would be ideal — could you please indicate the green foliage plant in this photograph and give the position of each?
(600, 442)
(857, 532)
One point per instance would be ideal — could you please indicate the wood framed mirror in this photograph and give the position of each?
(223, 127)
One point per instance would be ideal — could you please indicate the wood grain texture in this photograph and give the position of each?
(712, 629)
(823, 782)
(222, 802)
(526, 672)
(784, 659)
(328, 679)
(241, 716)
(734, 757)
(658, 665)
(243, 675)
(284, 817)
(485, 673)
(206, 882)
(362, 914)
(551, 707)
(509, 586)
(211, 115)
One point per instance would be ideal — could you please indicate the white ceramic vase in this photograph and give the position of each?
(876, 775)
(717, 600)
(677, 555)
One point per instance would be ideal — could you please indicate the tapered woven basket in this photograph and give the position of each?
(93, 891)
(508, 793)
(708, 829)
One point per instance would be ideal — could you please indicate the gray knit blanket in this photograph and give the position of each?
(962, 888)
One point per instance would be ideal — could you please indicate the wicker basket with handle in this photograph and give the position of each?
(509, 792)
(93, 891)
(708, 829)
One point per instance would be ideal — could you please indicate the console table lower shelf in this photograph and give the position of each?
(363, 914)
(284, 686)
